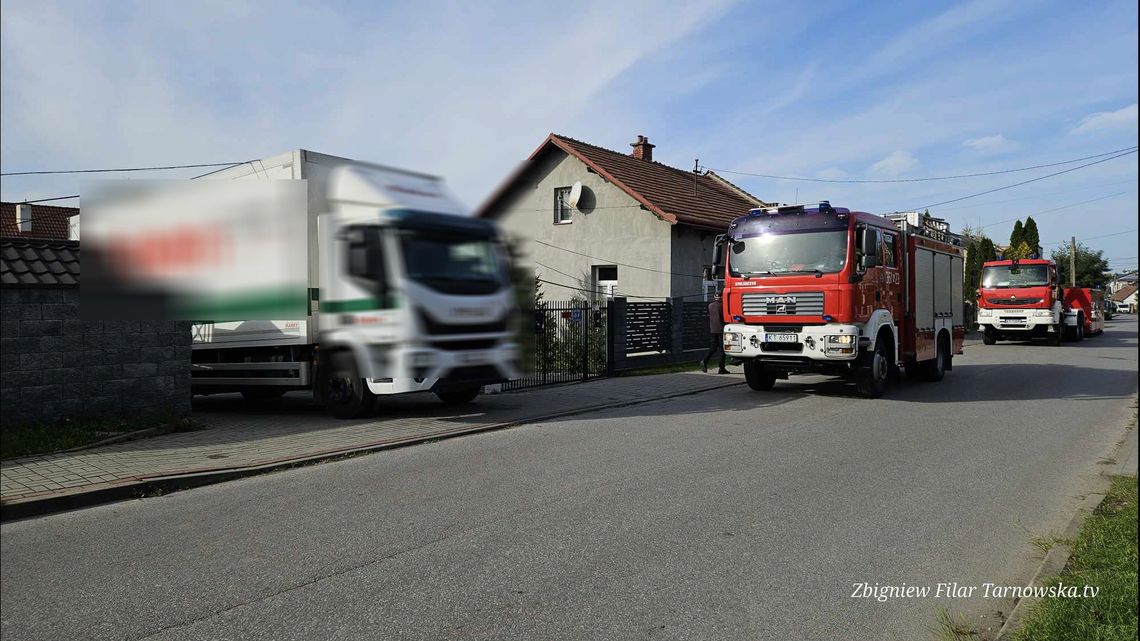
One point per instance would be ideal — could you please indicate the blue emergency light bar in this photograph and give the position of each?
(824, 208)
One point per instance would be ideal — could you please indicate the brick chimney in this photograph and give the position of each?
(642, 149)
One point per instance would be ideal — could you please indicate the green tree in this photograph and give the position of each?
(1031, 236)
(973, 272)
(1092, 268)
(1021, 251)
(1017, 236)
(986, 250)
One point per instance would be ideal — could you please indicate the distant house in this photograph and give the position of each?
(21, 220)
(595, 223)
(1126, 295)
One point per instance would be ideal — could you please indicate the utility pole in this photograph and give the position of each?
(1073, 263)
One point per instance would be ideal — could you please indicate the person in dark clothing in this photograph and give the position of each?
(716, 328)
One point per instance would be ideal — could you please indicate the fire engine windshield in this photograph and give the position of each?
(781, 254)
(453, 264)
(1007, 276)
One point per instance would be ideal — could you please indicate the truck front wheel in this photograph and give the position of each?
(989, 336)
(758, 378)
(346, 394)
(871, 376)
(1056, 335)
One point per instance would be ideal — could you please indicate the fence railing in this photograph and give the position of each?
(567, 342)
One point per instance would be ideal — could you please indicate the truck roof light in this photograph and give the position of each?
(827, 318)
(824, 206)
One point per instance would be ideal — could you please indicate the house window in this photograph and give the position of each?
(605, 281)
(562, 208)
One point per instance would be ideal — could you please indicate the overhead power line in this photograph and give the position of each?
(44, 200)
(1057, 209)
(120, 169)
(1026, 182)
(1119, 233)
(928, 178)
(614, 262)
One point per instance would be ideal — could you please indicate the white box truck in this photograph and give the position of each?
(405, 294)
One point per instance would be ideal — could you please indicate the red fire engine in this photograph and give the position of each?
(1020, 300)
(1085, 307)
(827, 290)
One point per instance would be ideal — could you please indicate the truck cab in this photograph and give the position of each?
(1021, 300)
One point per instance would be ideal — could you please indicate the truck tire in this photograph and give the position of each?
(758, 378)
(262, 393)
(346, 394)
(458, 395)
(989, 336)
(1080, 328)
(1054, 338)
(871, 376)
(934, 369)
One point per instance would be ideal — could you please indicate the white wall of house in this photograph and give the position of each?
(611, 227)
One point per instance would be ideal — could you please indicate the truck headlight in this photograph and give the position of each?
(1043, 313)
(839, 344)
(984, 311)
(731, 342)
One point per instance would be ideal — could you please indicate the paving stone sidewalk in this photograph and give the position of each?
(238, 435)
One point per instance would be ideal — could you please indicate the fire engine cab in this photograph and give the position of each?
(828, 290)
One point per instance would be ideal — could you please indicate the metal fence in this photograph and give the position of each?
(567, 341)
(695, 325)
(647, 327)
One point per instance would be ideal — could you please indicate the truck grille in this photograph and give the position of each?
(795, 304)
(1015, 301)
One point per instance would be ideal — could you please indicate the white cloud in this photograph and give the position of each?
(997, 144)
(210, 82)
(1122, 119)
(831, 173)
(894, 164)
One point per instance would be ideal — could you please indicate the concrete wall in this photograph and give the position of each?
(612, 227)
(54, 366)
(692, 249)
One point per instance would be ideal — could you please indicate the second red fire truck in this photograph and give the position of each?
(827, 290)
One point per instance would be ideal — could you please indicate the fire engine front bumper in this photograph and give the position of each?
(824, 343)
(1035, 321)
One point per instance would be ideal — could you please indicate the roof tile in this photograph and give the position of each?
(38, 262)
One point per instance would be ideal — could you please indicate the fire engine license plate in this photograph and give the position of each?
(781, 338)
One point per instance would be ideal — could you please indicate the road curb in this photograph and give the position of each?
(141, 487)
(1058, 556)
(1055, 561)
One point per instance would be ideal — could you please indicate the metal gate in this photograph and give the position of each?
(566, 342)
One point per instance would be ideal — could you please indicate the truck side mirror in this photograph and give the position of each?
(870, 244)
(718, 256)
(869, 260)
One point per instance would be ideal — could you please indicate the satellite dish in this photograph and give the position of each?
(575, 195)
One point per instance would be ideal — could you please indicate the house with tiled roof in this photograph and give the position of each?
(20, 220)
(1126, 295)
(596, 223)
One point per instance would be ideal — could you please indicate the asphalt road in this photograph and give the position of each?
(725, 515)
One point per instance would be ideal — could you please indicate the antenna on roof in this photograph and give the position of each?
(696, 172)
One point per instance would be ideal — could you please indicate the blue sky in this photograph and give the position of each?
(847, 90)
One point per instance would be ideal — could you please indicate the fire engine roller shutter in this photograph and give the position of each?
(923, 288)
(957, 271)
(943, 304)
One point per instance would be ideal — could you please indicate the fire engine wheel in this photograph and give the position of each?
(459, 395)
(871, 377)
(346, 394)
(758, 378)
(989, 337)
(1056, 335)
(934, 369)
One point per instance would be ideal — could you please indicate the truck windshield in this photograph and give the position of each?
(452, 264)
(780, 254)
(1005, 276)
